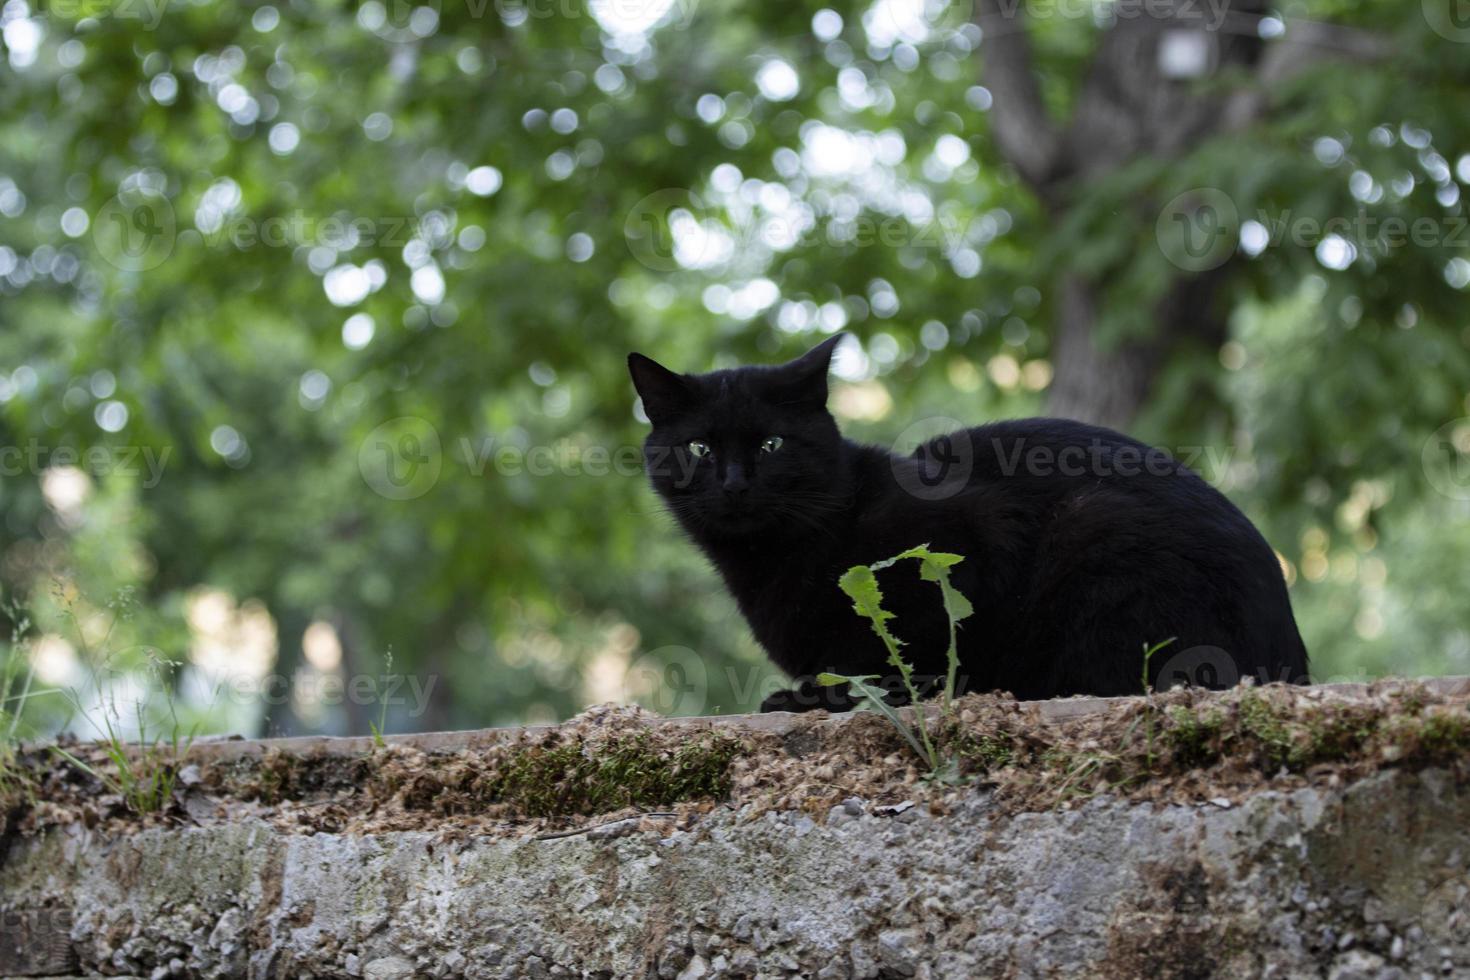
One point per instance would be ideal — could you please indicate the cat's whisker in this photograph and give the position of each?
(806, 520)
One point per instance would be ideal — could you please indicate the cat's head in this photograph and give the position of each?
(744, 450)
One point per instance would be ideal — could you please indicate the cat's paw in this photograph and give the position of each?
(809, 696)
(785, 701)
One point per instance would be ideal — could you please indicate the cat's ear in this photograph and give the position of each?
(805, 379)
(664, 392)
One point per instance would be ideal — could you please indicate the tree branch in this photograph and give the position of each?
(1024, 133)
(1305, 45)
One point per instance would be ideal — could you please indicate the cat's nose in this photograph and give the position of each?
(735, 483)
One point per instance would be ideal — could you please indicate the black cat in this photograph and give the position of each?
(1081, 545)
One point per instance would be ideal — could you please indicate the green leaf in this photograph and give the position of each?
(832, 680)
(918, 551)
(861, 586)
(955, 603)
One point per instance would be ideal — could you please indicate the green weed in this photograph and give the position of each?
(860, 583)
(381, 725)
(1150, 710)
(142, 770)
(16, 690)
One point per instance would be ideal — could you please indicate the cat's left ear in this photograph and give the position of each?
(664, 392)
(805, 379)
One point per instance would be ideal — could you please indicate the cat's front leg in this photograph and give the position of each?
(807, 695)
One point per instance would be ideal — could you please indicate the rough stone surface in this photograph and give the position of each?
(220, 749)
(1369, 880)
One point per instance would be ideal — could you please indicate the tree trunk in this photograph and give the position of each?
(1147, 93)
(279, 717)
(1152, 91)
(1093, 384)
(1108, 384)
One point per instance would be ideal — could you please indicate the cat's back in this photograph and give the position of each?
(1087, 492)
(1049, 447)
(1041, 470)
(1050, 458)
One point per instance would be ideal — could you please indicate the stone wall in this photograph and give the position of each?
(1367, 879)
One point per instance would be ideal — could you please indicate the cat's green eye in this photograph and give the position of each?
(771, 444)
(699, 449)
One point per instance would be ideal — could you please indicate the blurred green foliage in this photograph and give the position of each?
(360, 281)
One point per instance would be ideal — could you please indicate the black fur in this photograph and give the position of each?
(1081, 545)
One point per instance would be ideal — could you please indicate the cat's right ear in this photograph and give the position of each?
(664, 392)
